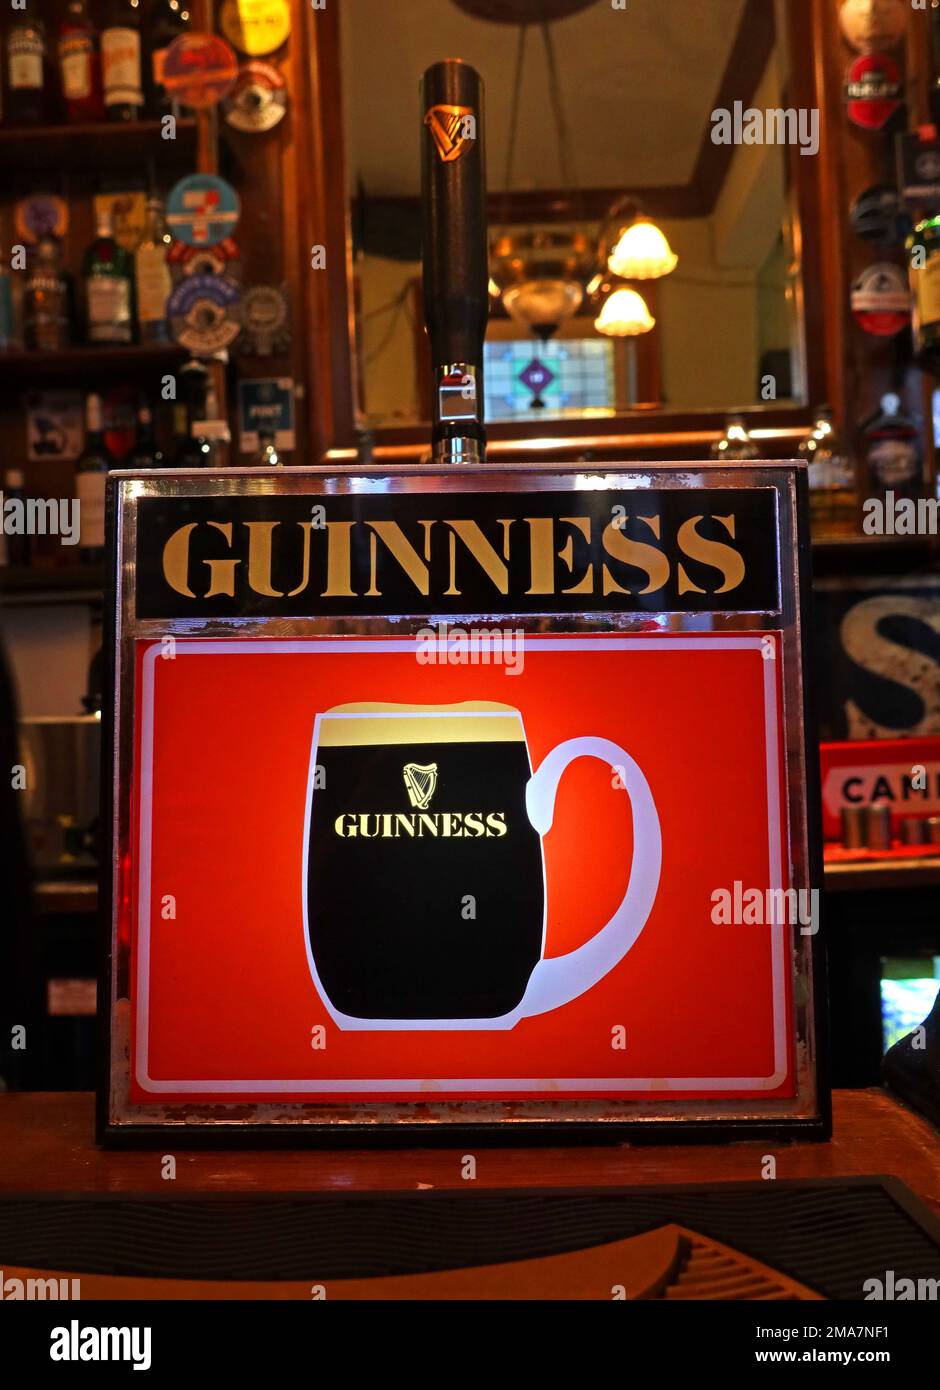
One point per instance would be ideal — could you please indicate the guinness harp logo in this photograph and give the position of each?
(453, 128)
(420, 783)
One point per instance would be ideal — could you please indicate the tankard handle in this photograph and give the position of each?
(558, 980)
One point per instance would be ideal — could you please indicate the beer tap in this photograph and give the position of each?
(454, 250)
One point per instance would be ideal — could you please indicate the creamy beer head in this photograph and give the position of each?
(425, 893)
(375, 722)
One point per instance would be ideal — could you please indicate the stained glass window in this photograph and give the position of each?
(529, 380)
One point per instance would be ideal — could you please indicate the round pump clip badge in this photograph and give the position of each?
(881, 300)
(873, 91)
(199, 70)
(877, 215)
(266, 320)
(202, 210)
(42, 214)
(255, 27)
(873, 25)
(205, 313)
(258, 100)
(225, 258)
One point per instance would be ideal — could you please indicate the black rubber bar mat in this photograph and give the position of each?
(830, 1234)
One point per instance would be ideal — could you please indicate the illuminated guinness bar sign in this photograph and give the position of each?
(466, 800)
(676, 550)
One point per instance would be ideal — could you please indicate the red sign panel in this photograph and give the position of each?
(903, 773)
(360, 873)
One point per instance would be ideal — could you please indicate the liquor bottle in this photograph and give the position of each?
(8, 331)
(109, 290)
(79, 65)
(195, 450)
(209, 436)
(152, 274)
(456, 275)
(267, 455)
(180, 430)
(145, 453)
(736, 445)
(892, 452)
(171, 19)
(121, 62)
(923, 249)
(90, 478)
(28, 86)
(17, 546)
(46, 300)
(832, 497)
(11, 298)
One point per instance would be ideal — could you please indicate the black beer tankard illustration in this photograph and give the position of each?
(424, 879)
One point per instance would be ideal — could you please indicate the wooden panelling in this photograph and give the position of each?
(315, 188)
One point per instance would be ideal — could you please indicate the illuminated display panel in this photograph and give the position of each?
(368, 881)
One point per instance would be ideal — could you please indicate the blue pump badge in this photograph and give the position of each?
(202, 210)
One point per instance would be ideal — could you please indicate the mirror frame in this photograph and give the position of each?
(331, 385)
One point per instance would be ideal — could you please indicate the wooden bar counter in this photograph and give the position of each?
(47, 1145)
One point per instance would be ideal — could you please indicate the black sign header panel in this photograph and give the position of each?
(665, 550)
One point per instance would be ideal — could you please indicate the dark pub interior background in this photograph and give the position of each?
(713, 238)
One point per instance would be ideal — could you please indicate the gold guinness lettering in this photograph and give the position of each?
(497, 570)
(542, 554)
(338, 560)
(714, 553)
(445, 825)
(552, 547)
(637, 553)
(306, 527)
(176, 560)
(394, 539)
(260, 534)
(222, 571)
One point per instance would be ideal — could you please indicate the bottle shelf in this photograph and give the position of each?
(25, 369)
(97, 146)
(837, 555)
(61, 584)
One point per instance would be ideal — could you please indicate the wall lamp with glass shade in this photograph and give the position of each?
(634, 247)
(624, 314)
(642, 252)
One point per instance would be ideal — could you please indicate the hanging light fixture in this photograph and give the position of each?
(624, 314)
(642, 252)
(541, 276)
(633, 246)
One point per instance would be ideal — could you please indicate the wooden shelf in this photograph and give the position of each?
(100, 147)
(869, 545)
(65, 584)
(853, 876)
(26, 369)
(880, 555)
(66, 897)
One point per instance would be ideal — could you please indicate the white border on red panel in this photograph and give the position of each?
(554, 1086)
